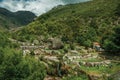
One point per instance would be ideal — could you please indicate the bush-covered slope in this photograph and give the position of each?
(15, 19)
(83, 23)
(13, 66)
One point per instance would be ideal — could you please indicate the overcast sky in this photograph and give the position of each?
(36, 6)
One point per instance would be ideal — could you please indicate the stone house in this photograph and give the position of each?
(97, 46)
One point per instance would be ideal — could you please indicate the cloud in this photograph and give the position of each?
(36, 6)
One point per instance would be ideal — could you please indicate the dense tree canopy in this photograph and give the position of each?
(13, 66)
(113, 43)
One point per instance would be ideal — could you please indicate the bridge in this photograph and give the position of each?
(31, 47)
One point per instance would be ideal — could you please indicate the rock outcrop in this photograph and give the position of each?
(55, 43)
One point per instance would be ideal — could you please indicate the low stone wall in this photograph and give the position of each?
(96, 64)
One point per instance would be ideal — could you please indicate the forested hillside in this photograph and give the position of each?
(13, 66)
(15, 19)
(83, 23)
(70, 42)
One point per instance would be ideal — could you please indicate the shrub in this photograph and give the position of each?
(16, 67)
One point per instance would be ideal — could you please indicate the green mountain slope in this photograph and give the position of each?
(83, 23)
(15, 19)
